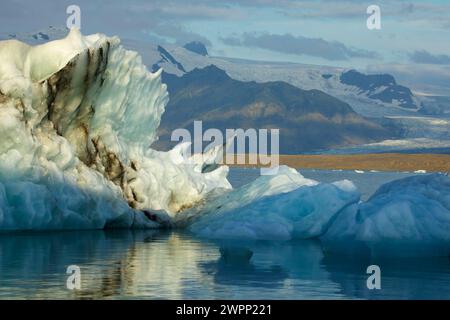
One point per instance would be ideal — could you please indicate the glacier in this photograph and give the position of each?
(77, 118)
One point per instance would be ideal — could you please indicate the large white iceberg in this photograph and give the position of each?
(77, 117)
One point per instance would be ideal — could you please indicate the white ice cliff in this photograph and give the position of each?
(77, 117)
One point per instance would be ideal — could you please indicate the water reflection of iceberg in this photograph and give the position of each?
(234, 267)
(172, 265)
(34, 265)
(290, 269)
(150, 264)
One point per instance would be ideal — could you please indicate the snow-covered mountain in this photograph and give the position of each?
(196, 47)
(307, 119)
(381, 87)
(38, 36)
(375, 96)
(370, 95)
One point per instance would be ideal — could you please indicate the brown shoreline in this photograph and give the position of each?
(375, 161)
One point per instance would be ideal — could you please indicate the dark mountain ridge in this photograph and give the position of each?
(196, 47)
(308, 119)
(381, 87)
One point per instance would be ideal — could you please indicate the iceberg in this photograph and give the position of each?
(77, 117)
(281, 207)
(407, 217)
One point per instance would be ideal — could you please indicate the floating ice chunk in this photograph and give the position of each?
(287, 179)
(282, 207)
(346, 185)
(403, 215)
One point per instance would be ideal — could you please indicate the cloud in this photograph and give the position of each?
(434, 13)
(299, 45)
(177, 21)
(423, 56)
(184, 10)
(153, 20)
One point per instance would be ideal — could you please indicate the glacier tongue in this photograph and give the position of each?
(77, 116)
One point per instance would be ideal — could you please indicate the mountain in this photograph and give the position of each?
(308, 119)
(381, 87)
(410, 115)
(196, 47)
(372, 95)
(37, 37)
(166, 57)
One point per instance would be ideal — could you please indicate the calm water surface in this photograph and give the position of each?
(176, 265)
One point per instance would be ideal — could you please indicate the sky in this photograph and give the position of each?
(413, 42)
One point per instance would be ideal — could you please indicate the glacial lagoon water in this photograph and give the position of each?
(151, 264)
